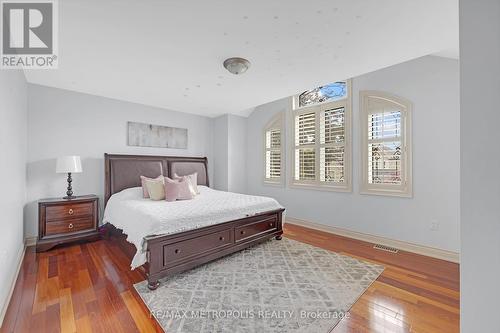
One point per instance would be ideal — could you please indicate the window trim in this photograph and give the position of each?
(276, 122)
(406, 189)
(318, 108)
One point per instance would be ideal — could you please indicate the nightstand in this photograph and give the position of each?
(62, 221)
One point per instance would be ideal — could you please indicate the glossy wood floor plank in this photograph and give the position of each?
(88, 287)
(414, 293)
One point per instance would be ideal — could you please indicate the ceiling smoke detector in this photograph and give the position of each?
(236, 65)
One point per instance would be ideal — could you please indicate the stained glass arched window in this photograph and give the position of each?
(329, 92)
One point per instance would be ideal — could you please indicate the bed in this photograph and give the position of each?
(166, 238)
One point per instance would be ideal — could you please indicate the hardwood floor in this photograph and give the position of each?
(88, 288)
(414, 293)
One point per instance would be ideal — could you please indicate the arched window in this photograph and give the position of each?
(386, 144)
(321, 129)
(273, 151)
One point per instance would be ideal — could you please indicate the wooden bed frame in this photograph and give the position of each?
(171, 254)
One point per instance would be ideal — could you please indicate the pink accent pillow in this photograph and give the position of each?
(145, 193)
(193, 178)
(172, 189)
(178, 189)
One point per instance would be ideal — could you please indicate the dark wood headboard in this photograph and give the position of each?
(124, 171)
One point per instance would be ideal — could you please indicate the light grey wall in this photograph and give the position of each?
(62, 122)
(480, 164)
(432, 84)
(13, 145)
(237, 141)
(230, 135)
(220, 146)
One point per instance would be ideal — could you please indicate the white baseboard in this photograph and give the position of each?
(30, 241)
(13, 283)
(404, 246)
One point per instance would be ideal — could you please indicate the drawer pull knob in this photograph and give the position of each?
(221, 238)
(271, 224)
(70, 226)
(70, 211)
(177, 251)
(242, 232)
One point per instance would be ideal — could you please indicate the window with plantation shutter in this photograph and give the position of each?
(273, 138)
(386, 150)
(321, 152)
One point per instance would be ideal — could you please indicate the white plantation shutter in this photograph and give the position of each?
(273, 154)
(273, 151)
(384, 144)
(332, 164)
(273, 138)
(332, 129)
(383, 125)
(273, 164)
(321, 157)
(384, 148)
(305, 164)
(305, 154)
(305, 127)
(333, 125)
(386, 153)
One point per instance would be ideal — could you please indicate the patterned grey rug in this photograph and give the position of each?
(277, 286)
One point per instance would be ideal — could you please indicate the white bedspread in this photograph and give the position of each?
(142, 218)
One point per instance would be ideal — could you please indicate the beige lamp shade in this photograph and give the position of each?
(67, 164)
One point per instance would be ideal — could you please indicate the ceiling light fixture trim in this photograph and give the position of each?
(236, 65)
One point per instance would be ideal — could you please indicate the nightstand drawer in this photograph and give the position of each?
(69, 211)
(70, 225)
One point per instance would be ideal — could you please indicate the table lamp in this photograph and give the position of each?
(69, 165)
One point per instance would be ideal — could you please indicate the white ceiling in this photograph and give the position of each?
(169, 53)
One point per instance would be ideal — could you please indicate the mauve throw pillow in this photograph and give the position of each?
(145, 193)
(193, 178)
(178, 189)
(172, 188)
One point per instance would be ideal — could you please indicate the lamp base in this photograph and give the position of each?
(69, 192)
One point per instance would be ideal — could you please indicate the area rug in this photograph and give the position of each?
(276, 286)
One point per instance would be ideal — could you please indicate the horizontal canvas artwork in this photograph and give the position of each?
(147, 135)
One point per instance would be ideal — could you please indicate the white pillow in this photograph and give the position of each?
(156, 189)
